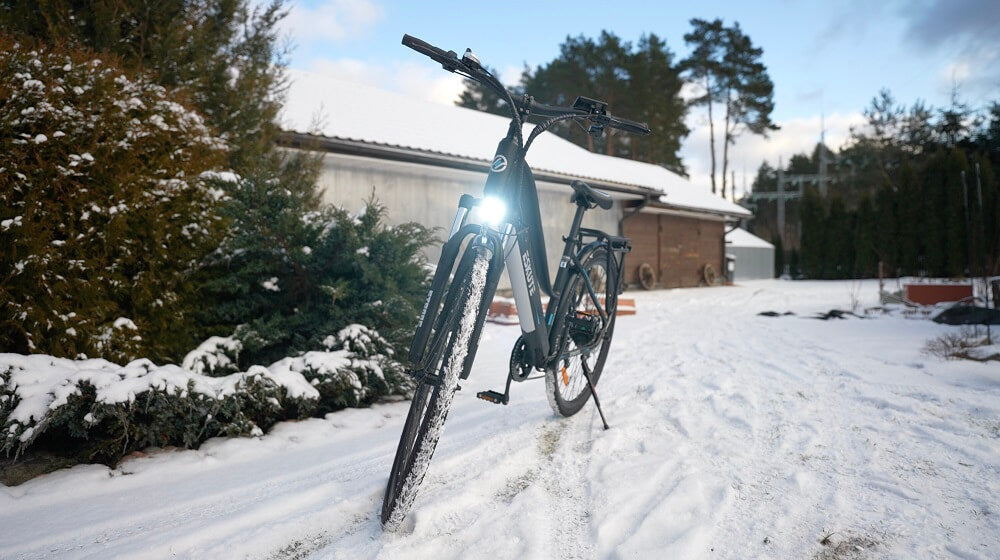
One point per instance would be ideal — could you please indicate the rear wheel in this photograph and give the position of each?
(583, 336)
(447, 353)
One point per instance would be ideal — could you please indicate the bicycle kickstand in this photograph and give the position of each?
(597, 401)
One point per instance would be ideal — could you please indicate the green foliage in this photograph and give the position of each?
(223, 54)
(105, 211)
(290, 273)
(921, 196)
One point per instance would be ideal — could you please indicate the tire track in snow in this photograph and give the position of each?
(566, 446)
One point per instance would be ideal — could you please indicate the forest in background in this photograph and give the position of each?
(915, 188)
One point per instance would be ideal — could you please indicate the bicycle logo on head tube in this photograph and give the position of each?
(499, 164)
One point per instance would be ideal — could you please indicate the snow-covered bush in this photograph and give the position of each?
(98, 410)
(104, 411)
(104, 212)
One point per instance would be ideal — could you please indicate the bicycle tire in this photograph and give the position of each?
(449, 346)
(565, 385)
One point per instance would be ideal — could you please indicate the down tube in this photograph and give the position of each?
(526, 297)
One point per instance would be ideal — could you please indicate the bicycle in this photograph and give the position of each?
(568, 340)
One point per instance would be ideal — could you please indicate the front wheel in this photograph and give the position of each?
(583, 337)
(448, 349)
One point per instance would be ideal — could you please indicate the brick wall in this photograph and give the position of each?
(677, 247)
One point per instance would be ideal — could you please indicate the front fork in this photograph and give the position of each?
(467, 235)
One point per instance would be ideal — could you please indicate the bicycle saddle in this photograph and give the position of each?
(589, 194)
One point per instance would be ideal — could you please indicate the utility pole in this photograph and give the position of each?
(822, 155)
(781, 200)
(982, 236)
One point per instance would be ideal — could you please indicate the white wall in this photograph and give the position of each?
(429, 195)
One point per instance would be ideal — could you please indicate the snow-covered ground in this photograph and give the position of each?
(733, 435)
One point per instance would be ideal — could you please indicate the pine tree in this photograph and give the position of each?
(865, 256)
(779, 256)
(726, 65)
(748, 93)
(887, 236)
(838, 228)
(813, 217)
(703, 68)
(907, 236)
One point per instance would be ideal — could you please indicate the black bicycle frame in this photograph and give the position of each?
(519, 243)
(518, 246)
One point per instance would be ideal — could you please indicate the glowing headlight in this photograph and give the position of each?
(492, 210)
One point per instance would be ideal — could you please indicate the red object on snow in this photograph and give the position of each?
(929, 294)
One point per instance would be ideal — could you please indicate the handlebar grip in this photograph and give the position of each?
(448, 60)
(545, 110)
(629, 126)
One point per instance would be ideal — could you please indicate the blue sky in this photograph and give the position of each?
(826, 58)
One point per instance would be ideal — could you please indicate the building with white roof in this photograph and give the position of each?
(419, 157)
(754, 257)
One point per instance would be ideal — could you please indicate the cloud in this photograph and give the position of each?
(943, 22)
(968, 31)
(332, 21)
(421, 81)
(848, 20)
(798, 135)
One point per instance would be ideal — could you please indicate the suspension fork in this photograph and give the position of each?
(460, 231)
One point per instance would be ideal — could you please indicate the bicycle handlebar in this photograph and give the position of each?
(450, 62)
(546, 110)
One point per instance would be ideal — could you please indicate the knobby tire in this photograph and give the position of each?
(429, 408)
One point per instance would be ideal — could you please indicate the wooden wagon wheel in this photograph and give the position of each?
(646, 276)
(708, 274)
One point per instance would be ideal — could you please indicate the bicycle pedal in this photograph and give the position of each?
(493, 397)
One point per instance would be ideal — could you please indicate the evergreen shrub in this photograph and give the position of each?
(105, 208)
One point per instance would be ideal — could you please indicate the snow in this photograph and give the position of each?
(214, 354)
(271, 284)
(125, 323)
(224, 176)
(733, 435)
(742, 238)
(360, 112)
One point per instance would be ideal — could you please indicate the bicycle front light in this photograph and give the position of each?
(492, 210)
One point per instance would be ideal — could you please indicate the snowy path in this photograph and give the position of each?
(733, 436)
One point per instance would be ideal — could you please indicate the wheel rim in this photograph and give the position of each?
(571, 383)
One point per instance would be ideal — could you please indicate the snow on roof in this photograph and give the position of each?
(742, 238)
(320, 104)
